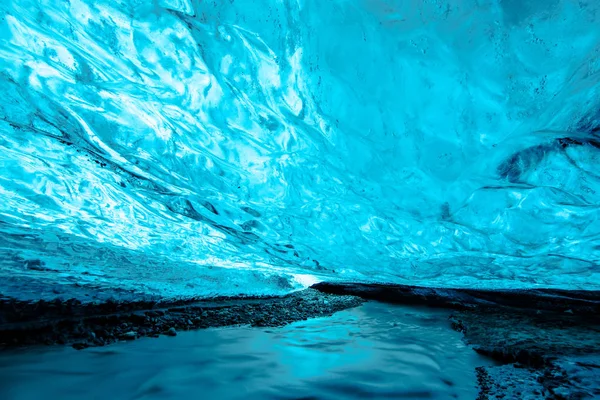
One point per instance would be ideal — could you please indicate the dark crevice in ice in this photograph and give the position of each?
(555, 300)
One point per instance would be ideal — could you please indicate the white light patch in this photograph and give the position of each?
(306, 280)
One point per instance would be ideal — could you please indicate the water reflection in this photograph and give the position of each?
(374, 351)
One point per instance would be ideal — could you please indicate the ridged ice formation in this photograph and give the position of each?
(228, 146)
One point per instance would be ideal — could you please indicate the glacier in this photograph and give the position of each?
(202, 148)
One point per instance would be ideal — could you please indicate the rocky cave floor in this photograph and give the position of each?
(546, 342)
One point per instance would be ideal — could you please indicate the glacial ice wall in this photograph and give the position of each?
(254, 146)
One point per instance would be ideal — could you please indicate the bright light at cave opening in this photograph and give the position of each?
(306, 280)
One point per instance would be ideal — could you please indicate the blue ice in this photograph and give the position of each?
(181, 147)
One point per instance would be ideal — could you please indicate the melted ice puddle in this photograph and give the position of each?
(373, 351)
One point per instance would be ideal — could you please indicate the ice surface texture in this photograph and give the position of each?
(216, 147)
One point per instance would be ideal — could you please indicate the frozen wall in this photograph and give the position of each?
(254, 146)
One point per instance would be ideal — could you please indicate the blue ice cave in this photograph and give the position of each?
(197, 148)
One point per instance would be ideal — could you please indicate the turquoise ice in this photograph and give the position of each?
(248, 146)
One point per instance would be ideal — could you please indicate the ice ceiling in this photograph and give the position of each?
(249, 146)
